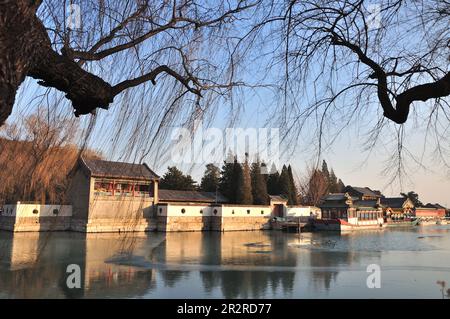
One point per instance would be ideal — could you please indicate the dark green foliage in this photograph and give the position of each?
(244, 188)
(272, 182)
(176, 180)
(340, 186)
(283, 182)
(259, 185)
(325, 171)
(210, 179)
(287, 186)
(414, 197)
(333, 183)
(229, 178)
(293, 194)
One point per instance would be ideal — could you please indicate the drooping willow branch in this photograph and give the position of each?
(26, 50)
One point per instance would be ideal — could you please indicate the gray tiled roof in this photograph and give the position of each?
(333, 205)
(168, 195)
(365, 203)
(393, 202)
(335, 196)
(366, 191)
(437, 206)
(101, 168)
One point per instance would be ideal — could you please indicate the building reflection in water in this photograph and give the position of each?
(33, 265)
(337, 251)
(232, 264)
(224, 258)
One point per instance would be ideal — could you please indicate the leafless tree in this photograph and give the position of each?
(333, 62)
(361, 62)
(36, 156)
(313, 186)
(143, 39)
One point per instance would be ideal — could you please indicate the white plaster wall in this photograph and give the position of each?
(26, 210)
(242, 211)
(175, 210)
(370, 222)
(302, 211)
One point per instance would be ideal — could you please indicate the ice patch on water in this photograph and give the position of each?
(141, 262)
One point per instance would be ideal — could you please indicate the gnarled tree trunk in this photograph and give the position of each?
(25, 50)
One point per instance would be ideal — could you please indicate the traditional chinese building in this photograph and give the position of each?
(111, 196)
(430, 211)
(397, 208)
(107, 196)
(362, 193)
(341, 211)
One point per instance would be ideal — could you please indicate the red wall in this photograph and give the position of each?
(430, 212)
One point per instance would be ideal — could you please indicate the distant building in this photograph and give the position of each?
(279, 203)
(362, 193)
(430, 211)
(341, 211)
(397, 208)
(107, 196)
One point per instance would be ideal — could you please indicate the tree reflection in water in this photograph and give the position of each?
(195, 264)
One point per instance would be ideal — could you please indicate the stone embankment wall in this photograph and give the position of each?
(194, 217)
(139, 216)
(35, 217)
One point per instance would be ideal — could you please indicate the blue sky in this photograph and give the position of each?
(113, 131)
(346, 155)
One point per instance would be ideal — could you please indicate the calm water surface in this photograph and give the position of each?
(227, 265)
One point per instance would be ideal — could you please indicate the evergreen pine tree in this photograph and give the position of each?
(283, 182)
(293, 194)
(210, 179)
(272, 181)
(228, 178)
(325, 171)
(333, 183)
(414, 197)
(244, 190)
(259, 186)
(326, 175)
(176, 180)
(340, 186)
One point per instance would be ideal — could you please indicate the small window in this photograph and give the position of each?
(262, 212)
(248, 211)
(183, 211)
(215, 211)
(35, 211)
(142, 190)
(232, 212)
(55, 211)
(160, 211)
(201, 211)
(124, 189)
(103, 188)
